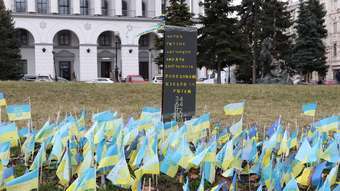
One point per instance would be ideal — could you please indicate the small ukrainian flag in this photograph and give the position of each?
(309, 109)
(9, 133)
(2, 100)
(25, 182)
(19, 112)
(234, 108)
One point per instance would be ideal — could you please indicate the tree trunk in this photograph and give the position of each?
(218, 73)
(254, 64)
(229, 74)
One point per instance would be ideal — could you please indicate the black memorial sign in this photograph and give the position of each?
(179, 72)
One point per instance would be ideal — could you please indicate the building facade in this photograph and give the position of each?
(84, 39)
(332, 41)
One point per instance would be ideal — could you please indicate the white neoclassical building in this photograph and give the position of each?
(85, 39)
(332, 41)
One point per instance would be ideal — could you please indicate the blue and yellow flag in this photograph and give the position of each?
(9, 133)
(309, 109)
(327, 124)
(111, 158)
(5, 153)
(85, 181)
(120, 174)
(19, 112)
(234, 108)
(26, 182)
(2, 100)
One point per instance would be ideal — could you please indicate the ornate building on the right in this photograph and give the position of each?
(332, 42)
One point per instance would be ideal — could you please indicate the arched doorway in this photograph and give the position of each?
(109, 55)
(147, 54)
(25, 41)
(66, 55)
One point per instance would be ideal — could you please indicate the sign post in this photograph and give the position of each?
(179, 73)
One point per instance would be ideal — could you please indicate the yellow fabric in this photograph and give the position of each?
(297, 168)
(3, 102)
(15, 117)
(26, 186)
(305, 176)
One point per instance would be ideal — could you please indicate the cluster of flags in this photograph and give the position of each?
(286, 159)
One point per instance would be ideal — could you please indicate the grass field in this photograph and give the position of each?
(263, 102)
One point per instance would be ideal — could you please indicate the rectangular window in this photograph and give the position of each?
(65, 38)
(335, 27)
(335, 49)
(163, 7)
(42, 6)
(20, 5)
(64, 7)
(84, 7)
(105, 6)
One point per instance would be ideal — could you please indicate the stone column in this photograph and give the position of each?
(138, 8)
(44, 59)
(158, 8)
(76, 7)
(97, 7)
(118, 7)
(88, 62)
(196, 7)
(130, 60)
(54, 7)
(31, 6)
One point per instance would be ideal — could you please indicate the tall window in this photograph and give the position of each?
(335, 27)
(335, 49)
(20, 5)
(105, 39)
(125, 8)
(163, 7)
(105, 8)
(64, 38)
(143, 9)
(42, 6)
(64, 7)
(84, 7)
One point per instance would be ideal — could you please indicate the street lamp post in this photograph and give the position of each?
(55, 67)
(116, 63)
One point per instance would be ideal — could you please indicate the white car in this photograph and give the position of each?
(100, 81)
(157, 80)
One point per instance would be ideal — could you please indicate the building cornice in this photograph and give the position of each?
(84, 17)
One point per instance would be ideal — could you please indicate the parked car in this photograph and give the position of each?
(41, 78)
(100, 81)
(136, 79)
(157, 79)
(37, 78)
(29, 78)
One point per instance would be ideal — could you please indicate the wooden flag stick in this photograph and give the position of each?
(149, 189)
